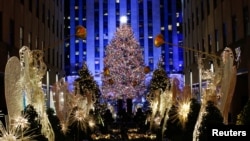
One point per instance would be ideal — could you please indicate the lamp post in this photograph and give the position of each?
(200, 83)
(47, 88)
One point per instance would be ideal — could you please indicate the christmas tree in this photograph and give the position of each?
(244, 117)
(159, 80)
(87, 86)
(34, 124)
(192, 118)
(55, 123)
(174, 129)
(123, 76)
(87, 82)
(211, 117)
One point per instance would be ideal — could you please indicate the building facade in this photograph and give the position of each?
(101, 19)
(37, 24)
(210, 26)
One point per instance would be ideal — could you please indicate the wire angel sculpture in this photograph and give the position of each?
(23, 86)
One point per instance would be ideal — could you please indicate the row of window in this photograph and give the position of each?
(51, 21)
(223, 32)
(21, 43)
(141, 27)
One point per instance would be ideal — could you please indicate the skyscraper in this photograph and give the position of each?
(101, 18)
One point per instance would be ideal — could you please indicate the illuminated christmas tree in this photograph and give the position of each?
(243, 117)
(86, 83)
(159, 79)
(123, 76)
(212, 117)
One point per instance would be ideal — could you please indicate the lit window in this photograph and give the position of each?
(169, 27)
(84, 53)
(96, 61)
(177, 15)
(105, 36)
(117, 1)
(150, 37)
(76, 7)
(68, 26)
(67, 56)
(68, 17)
(177, 24)
(151, 60)
(77, 41)
(77, 53)
(105, 14)
(170, 62)
(76, 18)
(162, 28)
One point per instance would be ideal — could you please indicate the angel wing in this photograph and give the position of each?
(13, 94)
(228, 82)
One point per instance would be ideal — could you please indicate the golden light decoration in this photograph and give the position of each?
(183, 111)
(79, 115)
(111, 81)
(146, 69)
(81, 32)
(64, 127)
(106, 72)
(133, 130)
(100, 136)
(91, 123)
(14, 133)
(159, 40)
(80, 118)
(21, 122)
(134, 83)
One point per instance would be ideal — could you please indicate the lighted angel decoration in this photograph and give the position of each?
(75, 106)
(25, 86)
(228, 82)
(61, 95)
(220, 86)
